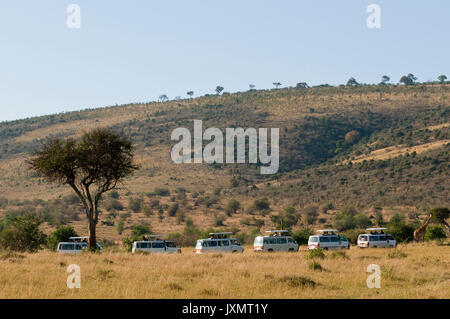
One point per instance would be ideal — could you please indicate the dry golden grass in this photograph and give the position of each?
(423, 273)
(395, 151)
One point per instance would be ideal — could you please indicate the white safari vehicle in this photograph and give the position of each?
(376, 237)
(328, 239)
(218, 242)
(154, 244)
(75, 245)
(277, 240)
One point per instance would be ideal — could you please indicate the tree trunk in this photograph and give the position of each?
(92, 236)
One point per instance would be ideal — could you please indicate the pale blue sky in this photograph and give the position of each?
(134, 51)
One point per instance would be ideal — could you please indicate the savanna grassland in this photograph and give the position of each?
(397, 161)
(409, 271)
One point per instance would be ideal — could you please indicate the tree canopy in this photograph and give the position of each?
(91, 167)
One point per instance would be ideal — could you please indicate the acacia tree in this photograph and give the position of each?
(442, 78)
(219, 89)
(92, 166)
(352, 82)
(408, 79)
(440, 214)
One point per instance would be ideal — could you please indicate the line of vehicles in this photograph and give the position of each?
(273, 241)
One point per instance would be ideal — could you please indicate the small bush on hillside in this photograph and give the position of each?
(3, 202)
(252, 222)
(120, 227)
(310, 214)
(135, 204)
(180, 216)
(113, 204)
(261, 204)
(146, 210)
(286, 219)
(218, 221)
(232, 207)
(114, 194)
(161, 191)
(397, 219)
(362, 221)
(345, 219)
(173, 209)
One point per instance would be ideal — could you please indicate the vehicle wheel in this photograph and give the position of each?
(291, 250)
(325, 248)
(270, 250)
(234, 251)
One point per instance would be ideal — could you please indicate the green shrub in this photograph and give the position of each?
(401, 232)
(362, 221)
(180, 216)
(232, 207)
(173, 209)
(120, 227)
(314, 265)
(261, 204)
(135, 204)
(297, 281)
(434, 232)
(310, 214)
(137, 231)
(61, 234)
(352, 235)
(302, 236)
(396, 254)
(161, 191)
(339, 254)
(23, 234)
(218, 220)
(315, 253)
(114, 194)
(113, 204)
(345, 219)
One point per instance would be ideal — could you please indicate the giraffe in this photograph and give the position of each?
(419, 233)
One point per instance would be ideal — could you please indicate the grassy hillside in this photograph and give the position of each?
(399, 161)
